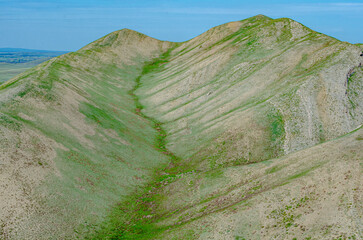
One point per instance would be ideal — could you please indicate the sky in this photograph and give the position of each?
(71, 24)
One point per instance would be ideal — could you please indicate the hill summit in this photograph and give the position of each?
(251, 130)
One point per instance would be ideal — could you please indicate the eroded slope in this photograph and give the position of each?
(277, 77)
(310, 194)
(243, 93)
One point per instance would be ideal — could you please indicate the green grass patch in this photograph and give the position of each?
(274, 169)
(102, 117)
(134, 217)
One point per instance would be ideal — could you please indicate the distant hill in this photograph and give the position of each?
(251, 130)
(16, 60)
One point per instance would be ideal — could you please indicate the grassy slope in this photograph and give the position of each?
(87, 150)
(310, 194)
(239, 94)
(280, 79)
(189, 94)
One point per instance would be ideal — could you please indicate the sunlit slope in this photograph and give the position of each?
(220, 137)
(310, 194)
(266, 87)
(71, 141)
(245, 92)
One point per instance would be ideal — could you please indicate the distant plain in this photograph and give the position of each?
(14, 61)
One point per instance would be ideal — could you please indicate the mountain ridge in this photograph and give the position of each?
(135, 137)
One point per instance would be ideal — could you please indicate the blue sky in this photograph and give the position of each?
(71, 24)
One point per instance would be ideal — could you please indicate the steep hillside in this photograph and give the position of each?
(268, 72)
(310, 194)
(251, 130)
